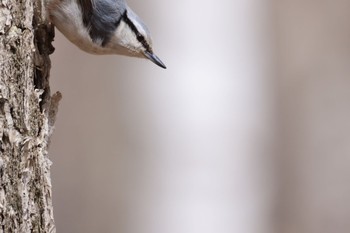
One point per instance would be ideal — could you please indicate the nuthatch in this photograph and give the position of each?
(103, 27)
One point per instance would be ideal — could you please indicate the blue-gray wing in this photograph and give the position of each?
(102, 17)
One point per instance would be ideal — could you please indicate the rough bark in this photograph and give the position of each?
(27, 115)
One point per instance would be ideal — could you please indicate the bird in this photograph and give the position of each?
(103, 27)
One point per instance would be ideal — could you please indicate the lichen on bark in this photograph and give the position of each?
(27, 115)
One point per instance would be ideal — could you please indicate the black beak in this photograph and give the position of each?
(154, 59)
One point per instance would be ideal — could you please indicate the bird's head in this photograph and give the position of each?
(132, 38)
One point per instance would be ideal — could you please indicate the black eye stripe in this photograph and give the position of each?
(139, 37)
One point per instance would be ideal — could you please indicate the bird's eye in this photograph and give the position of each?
(142, 40)
(139, 37)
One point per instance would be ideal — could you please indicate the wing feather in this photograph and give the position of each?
(102, 17)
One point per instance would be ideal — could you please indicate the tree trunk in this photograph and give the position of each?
(27, 115)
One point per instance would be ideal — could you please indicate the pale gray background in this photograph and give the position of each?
(247, 131)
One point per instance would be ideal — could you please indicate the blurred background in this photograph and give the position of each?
(247, 131)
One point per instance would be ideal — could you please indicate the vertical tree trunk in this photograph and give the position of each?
(27, 115)
(313, 81)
